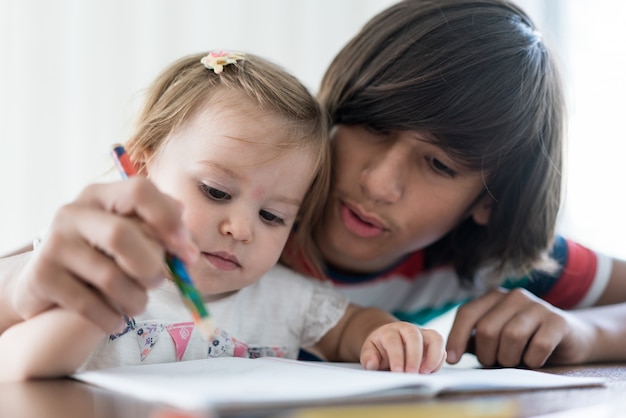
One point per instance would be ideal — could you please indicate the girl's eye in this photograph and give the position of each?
(441, 168)
(271, 218)
(213, 193)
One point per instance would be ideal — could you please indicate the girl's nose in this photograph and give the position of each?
(238, 228)
(383, 178)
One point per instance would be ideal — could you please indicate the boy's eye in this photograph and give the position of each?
(441, 168)
(213, 193)
(377, 130)
(271, 218)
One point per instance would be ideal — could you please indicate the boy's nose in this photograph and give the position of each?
(382, 179)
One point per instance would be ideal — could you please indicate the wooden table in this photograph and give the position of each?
(65, 398)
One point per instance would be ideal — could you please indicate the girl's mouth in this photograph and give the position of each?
(222, 260)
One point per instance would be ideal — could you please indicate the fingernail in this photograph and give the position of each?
(370, 365)
(451, 357)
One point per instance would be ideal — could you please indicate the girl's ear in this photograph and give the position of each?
(482, 210)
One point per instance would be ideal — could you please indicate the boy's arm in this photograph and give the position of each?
(514, 327)
(615, 290)
(101, 254)
(52, 344)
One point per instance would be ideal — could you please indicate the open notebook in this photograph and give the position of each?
(239, 382)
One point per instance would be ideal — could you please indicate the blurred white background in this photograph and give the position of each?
(72, 74)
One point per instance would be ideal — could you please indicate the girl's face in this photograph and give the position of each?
(240, 192)
(392, 193)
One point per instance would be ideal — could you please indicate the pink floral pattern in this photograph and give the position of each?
(221, 343)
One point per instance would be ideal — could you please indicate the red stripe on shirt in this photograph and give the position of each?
(576, 278)
(409, 268)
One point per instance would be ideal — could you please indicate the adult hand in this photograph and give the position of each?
(511, 328)
(102, 252)
(403, 347)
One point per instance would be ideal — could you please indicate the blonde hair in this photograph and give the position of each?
(183, 87)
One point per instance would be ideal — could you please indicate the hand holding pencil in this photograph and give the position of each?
(178, 271)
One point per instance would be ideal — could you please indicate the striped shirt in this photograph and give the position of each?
(414, 293)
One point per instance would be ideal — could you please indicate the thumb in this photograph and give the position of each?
(370, 357)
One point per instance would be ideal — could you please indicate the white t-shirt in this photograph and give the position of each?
(275, 316)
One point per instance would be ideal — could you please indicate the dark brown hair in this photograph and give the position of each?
(479, 78)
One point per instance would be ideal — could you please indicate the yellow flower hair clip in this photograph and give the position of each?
(216, 60)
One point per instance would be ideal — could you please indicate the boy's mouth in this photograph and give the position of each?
(360, 224)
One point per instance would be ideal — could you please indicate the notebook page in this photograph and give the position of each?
(232, 381)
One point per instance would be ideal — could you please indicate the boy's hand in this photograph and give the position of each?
(511, 328)
(102, 252)
(403, 347)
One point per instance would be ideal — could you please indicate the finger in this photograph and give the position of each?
(515, 337)
(69, 292)
(65, 253)
(413, 348)
(388, 346)
(539, 351)
(465, 322)
(441, 362)
(124, 240)
(89, 265)
(545, 340)
(393, 350)
(88, 302)
(434, 354)
(490, 327)
(139, 197)
(370, 357)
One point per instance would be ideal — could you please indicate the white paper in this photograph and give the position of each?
(237, 382)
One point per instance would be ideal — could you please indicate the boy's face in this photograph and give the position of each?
(392, 193)
(240, 192)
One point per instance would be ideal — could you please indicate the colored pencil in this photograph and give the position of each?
(180, 276)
